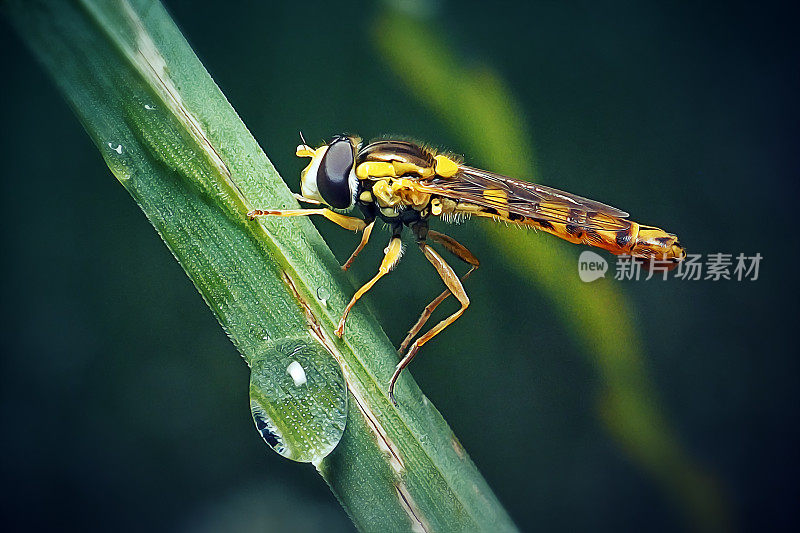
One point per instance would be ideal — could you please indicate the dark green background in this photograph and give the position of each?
(122, 403)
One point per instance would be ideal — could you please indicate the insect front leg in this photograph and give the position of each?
(460, 251)
(351, 223)
(454, 286)
(393, 253)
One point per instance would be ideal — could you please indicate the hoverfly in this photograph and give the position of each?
(404, 184)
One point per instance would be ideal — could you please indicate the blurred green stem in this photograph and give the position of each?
(489, 121)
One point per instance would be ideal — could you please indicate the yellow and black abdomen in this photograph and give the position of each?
(646, 242)
(652, 242)
(616, 235)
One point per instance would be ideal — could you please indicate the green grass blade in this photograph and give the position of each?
(486, 117)
(174, 142)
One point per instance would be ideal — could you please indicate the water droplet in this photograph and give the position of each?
(117, 148)
(149, 107)
(257, 331)
(323, 295)
(298, 398)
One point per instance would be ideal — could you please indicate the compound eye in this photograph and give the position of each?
(333, 175)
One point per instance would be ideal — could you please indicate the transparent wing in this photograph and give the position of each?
(525, 199)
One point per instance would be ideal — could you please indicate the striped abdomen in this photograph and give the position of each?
(626, 237)
(633, 239)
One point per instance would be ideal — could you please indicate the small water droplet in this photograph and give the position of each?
(117, 148)
(323, 295)
(256, 331)
(149, 107)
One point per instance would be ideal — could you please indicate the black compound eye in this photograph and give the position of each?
(333, 176)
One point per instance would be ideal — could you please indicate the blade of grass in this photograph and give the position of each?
(174, 142)
(487, 118)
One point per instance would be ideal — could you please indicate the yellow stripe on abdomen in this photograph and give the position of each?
(646, 242)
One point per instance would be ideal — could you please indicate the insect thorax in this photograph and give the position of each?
(392, 200)
(390, 175)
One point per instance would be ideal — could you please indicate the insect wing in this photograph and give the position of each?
(522, 198)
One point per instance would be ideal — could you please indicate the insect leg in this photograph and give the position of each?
(364, 239)
(454, 285)
(351, 223)
(460, 251)
(393, 252)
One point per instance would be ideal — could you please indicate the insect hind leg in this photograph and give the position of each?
(454, 286)
(460, 251)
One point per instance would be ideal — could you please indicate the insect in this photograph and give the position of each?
(405, 184)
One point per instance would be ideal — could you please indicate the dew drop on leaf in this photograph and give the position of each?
(322, 296)
(298, 398)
